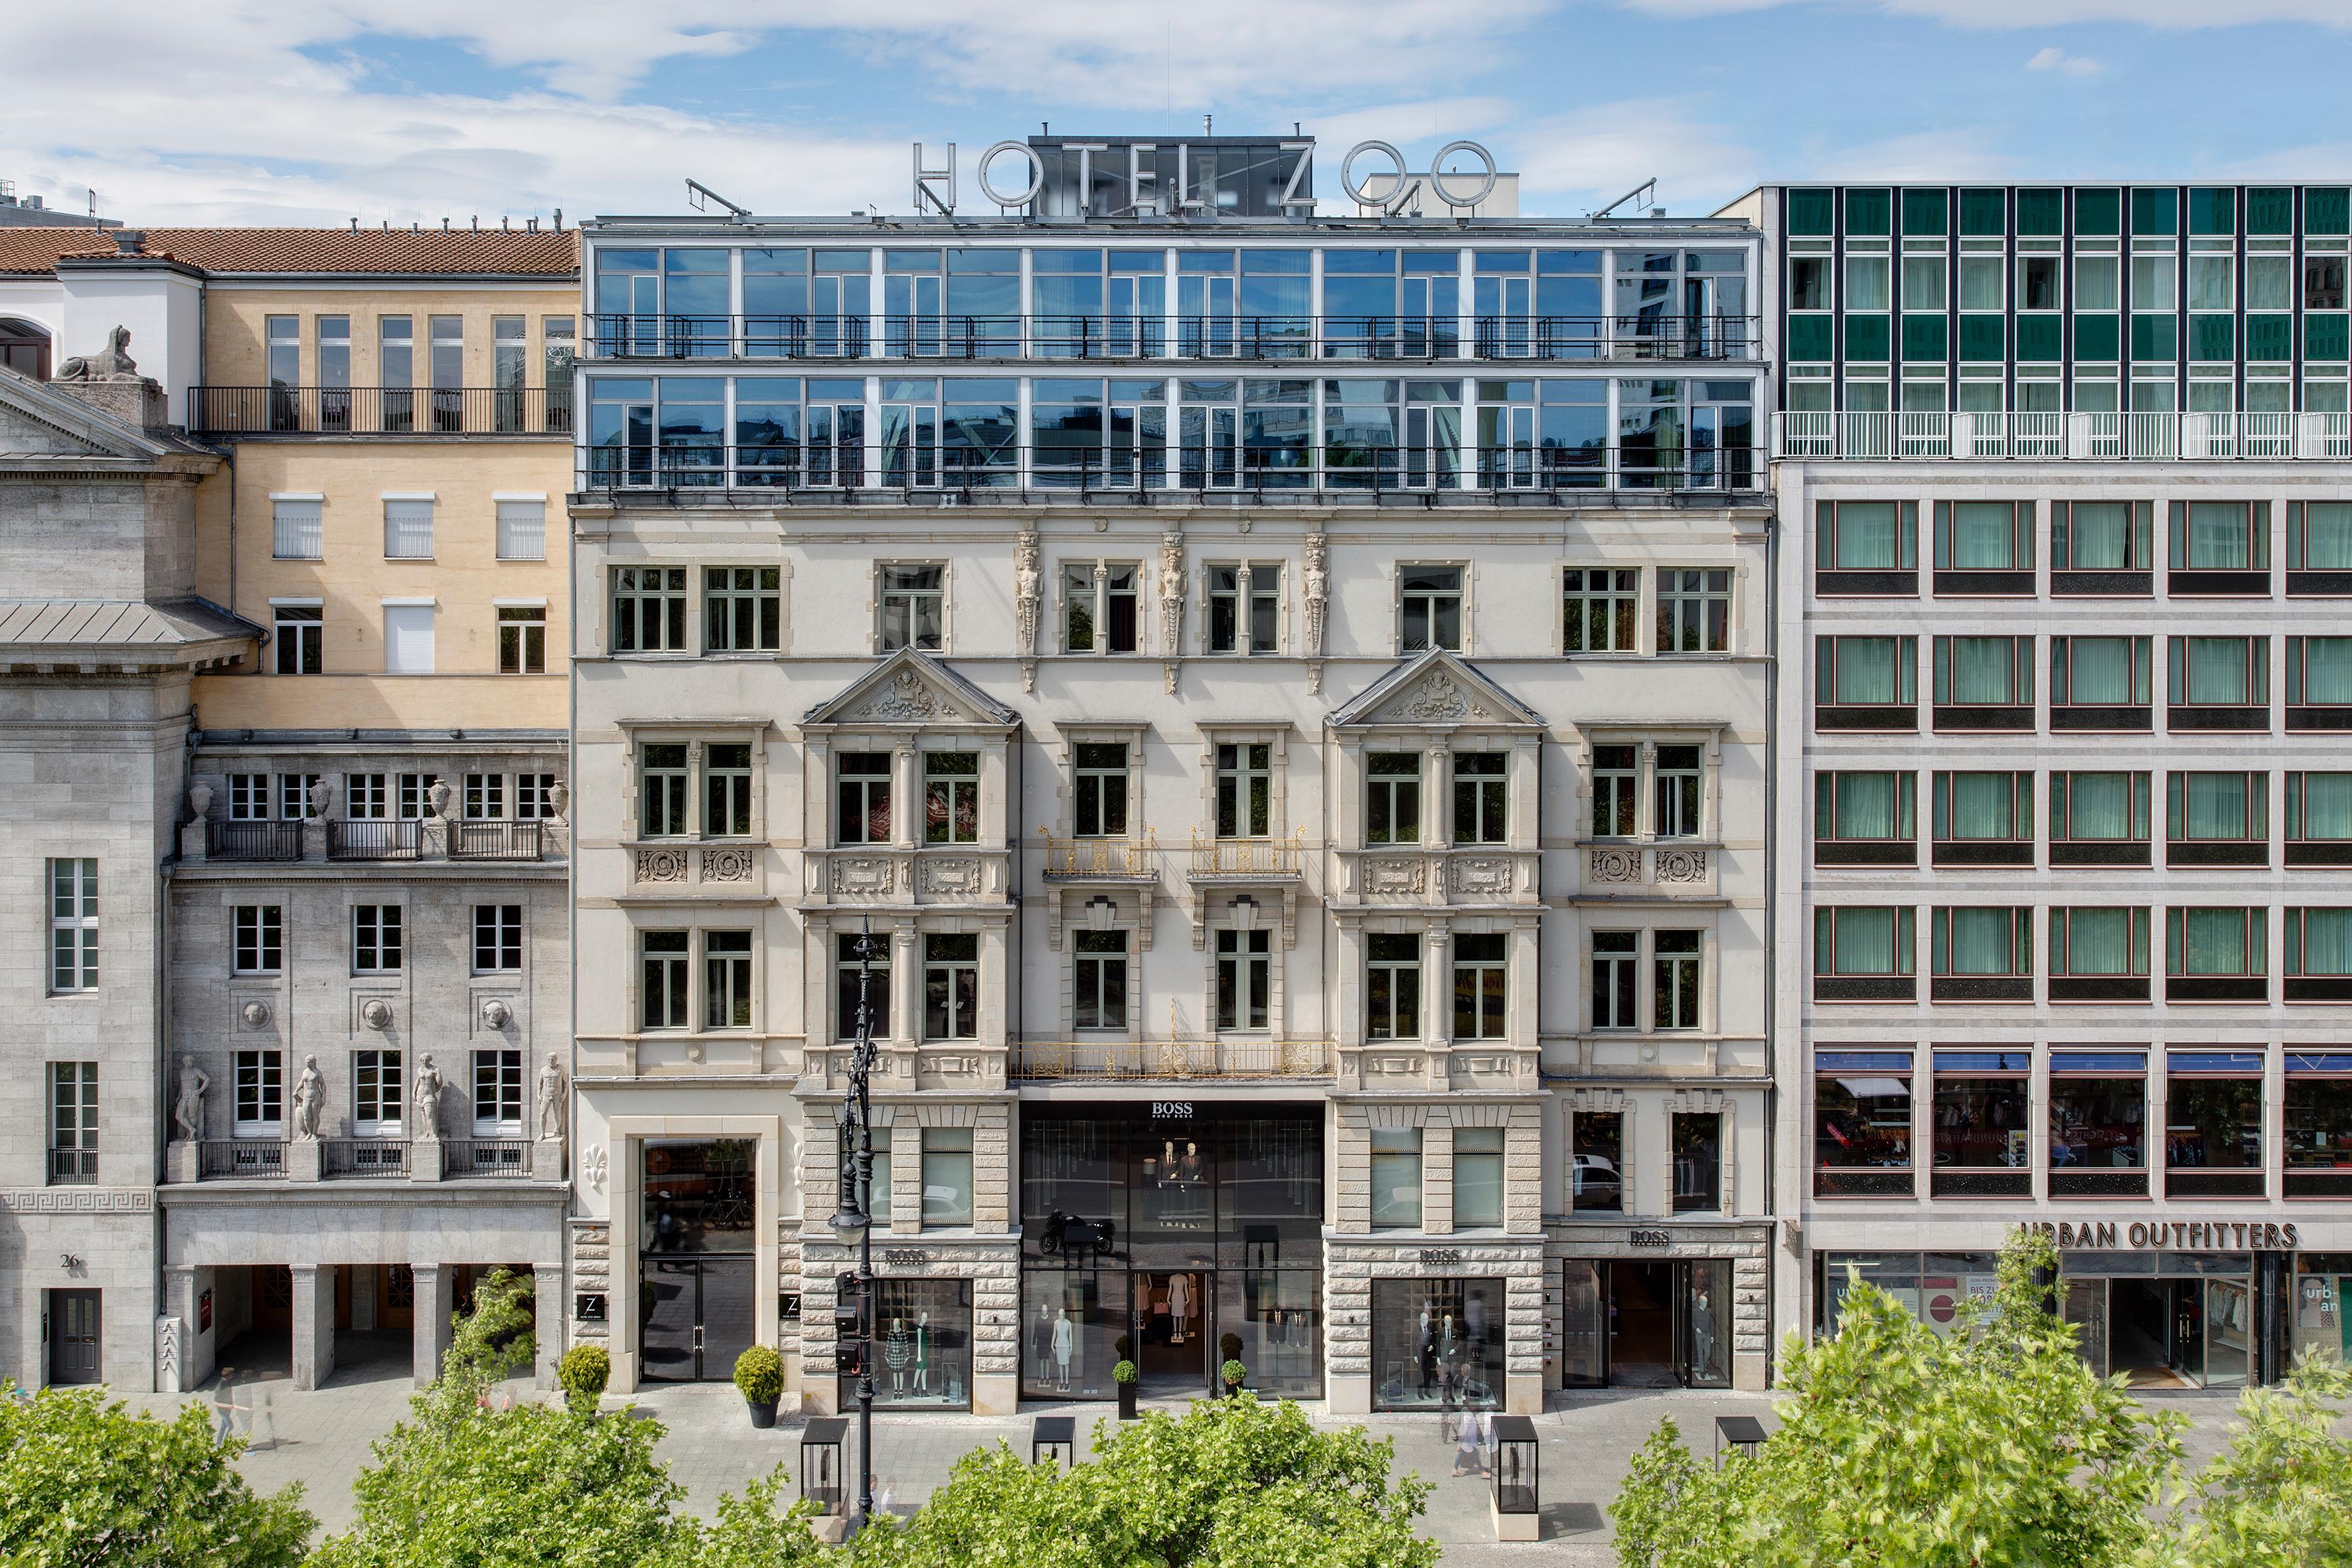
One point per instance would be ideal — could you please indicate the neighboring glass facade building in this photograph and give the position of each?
(2065, 556)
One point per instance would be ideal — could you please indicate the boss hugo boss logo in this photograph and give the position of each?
(901, 1256)
(1171, 1110)
(1648, 1238)
(1441, 1255)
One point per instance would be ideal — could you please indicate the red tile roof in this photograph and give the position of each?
(503, 252)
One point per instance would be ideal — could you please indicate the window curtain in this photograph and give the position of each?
(2214, 805)
(1983, 534)
(1866, 537)
(2099, 806)
(1980, 670)
(1983, 806)
(2217, 671)
(2101, 536)
(2327, 671)
(1865, 805)
(2217, 534)
(2326, 942)
(2099, 942)
(1865, 669)
(2100, 672)
(2214, 942)
(2328, 805)
(1865, 941)
(1979, 942)
(2327, 535)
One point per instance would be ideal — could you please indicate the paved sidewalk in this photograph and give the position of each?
(321, 1438)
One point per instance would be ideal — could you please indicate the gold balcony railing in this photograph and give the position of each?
(1171, 1059)
(1124, 858)
(1248, 857)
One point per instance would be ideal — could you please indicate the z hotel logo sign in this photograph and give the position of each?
(936, 188)
(2176, 1236)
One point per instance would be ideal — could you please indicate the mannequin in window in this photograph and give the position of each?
(923, 1352)
(1179, 1307)
(1066, 1341)
(1428, 1345)
(1702, 1326)
(898, 1348)
(1041, 1339)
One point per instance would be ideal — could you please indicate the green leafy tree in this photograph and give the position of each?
(1233, 1484)
(463, 1484)
(1993, 1445)
(2280, 1495)
(84, 1483)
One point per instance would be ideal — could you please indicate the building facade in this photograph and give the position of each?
(356, 1097)
(2064, 472)
(1269, 714)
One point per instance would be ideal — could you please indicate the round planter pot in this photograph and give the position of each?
(762, 1416)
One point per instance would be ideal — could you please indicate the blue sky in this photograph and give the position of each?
(266, 111)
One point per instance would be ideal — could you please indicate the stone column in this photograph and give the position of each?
(314, 1324)
(905, 984)
(547, 1284)
(905, 794)
(436, 1295)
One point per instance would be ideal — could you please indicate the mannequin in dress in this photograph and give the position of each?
(897, 1348)
(1179, 1307)
(1041, 1340)
(1066, 1339)
(923, 1352)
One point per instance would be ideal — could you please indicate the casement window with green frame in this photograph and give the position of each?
(1983, 1142)
(1862, 1124)
(2098, 953)
(1864, 953)
(2319, 955)
(2104, 548)
(2219, 683)
(2098, 1124)
(2318, 1124)
(2213, 1124)
(2099, 818)
(1865, 548)
(1984, 683)
(2102, 684)
(1865, 818)
(2319, 548)
(2216, 954)
(1984, 549)
(2319, 684)
(1866, 683)
(2216, 818)
(2218, 547)
(1983, 818)
(2319, 819)
(1981, 955)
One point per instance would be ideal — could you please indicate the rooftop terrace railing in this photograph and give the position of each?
(2115, 437)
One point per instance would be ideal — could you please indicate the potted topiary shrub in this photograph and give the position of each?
(759, 1375)
(1235, 1374)
(1125, 1375)
(583, 1372)
(1229, 1355)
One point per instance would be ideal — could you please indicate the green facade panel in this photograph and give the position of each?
(1982, 339)
(2155, 211)
(2042, 212)
(2098, 338)
(1865, 337)
(1868, 211)
(1924, 337)
(2154, 337)
(2098, 211)
(1811, 339)
(2327, 335)
(1812, 212)
(1984, 212)
(2269, 337)
(2213, 337)
(2040, 337)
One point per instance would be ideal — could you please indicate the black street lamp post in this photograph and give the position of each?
(854, 1214)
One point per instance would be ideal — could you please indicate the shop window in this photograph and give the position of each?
(2216, 954)
(1984, 818)
(2098, 1124)
(1597, 1161)
(877, 1200)
(1698, 1142)
(1982, 1146)
(2318, 1124)
(1863, 953)
(1437, 1344)
(2217, 820)
(2213, 1124)
(2098, 955)
(1862, 1124)
(1477, 1178)
(922, 1346)
(1865, 819)
(947, 1177)
(1396, 1178)
(2322, 1312)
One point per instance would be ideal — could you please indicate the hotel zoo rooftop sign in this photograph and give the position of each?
(1390, 190)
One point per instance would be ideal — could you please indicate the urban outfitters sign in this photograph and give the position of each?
(2176, 1236)
(935, 188)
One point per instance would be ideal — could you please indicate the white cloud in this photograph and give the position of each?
(2055, 58)
(1998, 15)
(1932, 156)
(1594, 155)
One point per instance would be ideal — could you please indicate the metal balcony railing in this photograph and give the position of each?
(470, 1157)
(1235, 336)
(1331, 469)
(2033, 437)
(494, 841)
(253, 840)
(385, 839)
(1248, 857)
(1121, 857)
(1171, 1059)
(365, 1157)
(241, 1158)
(72, 1167)
(380, 410)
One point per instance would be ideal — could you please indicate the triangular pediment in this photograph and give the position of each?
(37, 421)
(911, 689)
(1434, 689)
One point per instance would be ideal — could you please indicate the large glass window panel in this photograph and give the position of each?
(2099, 1123)
(2086, 941)
(1437, 1344)
(1981, 1111)
(947, 1176)
(1396, 1178)
(1597, 1161)
(698, 1195)
(1864, 941)
(1477, 1178)
(2319, 807)
(1862, 1123)
(2214, 1121)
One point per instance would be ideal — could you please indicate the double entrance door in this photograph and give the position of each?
(697, 1317)
(1648, 1323)
(2192, 1333)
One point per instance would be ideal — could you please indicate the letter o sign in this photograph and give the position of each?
(1354, 187)
(1036, 175)
(1438, 175)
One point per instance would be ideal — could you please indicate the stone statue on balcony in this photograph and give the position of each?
(551, 1098)
(428, 1100)
(114, 365)
(188, 1106)
(310, 1101)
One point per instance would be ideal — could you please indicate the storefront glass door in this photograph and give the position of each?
(2228, 1332)
(1172, 1332)
(696, 1319)
(1703, 1334)
(1584, 1325)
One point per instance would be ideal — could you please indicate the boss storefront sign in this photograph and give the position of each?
(2183, 1236)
